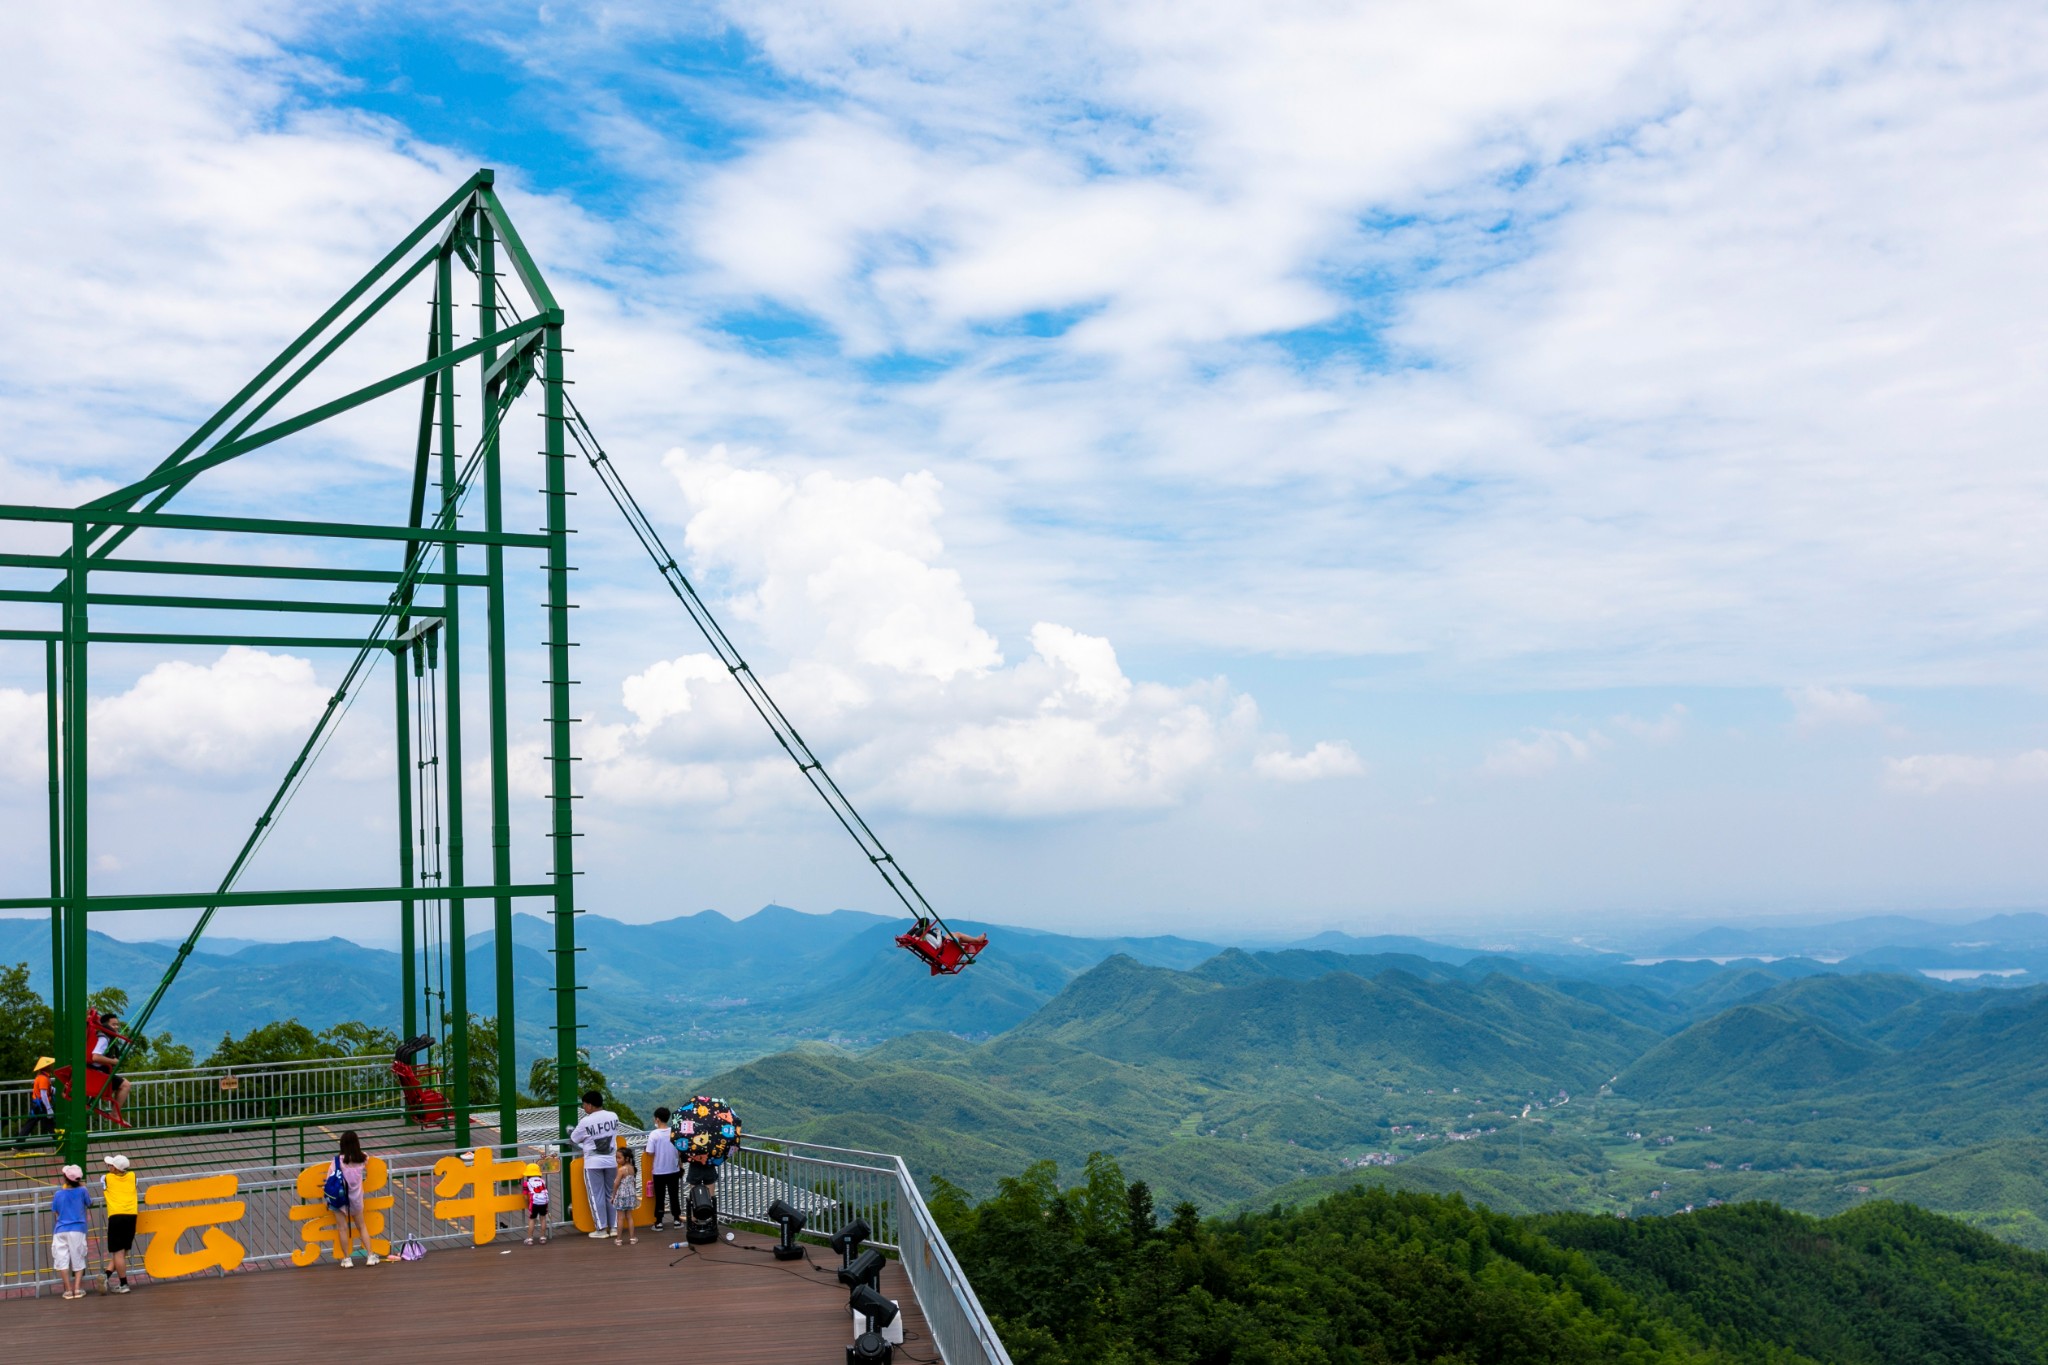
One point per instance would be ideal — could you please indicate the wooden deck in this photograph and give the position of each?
(574, 1299)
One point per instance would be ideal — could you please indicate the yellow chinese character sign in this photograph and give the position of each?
(479, 1173)
(316, 1220)
(165, 1226)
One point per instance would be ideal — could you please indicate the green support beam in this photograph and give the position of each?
(171, 521)
(73, 1109)
(455, 1029)
(472, 231)
(507, 1060)
(408, 912)
(561, 795)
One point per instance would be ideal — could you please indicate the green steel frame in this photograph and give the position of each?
(473, 232)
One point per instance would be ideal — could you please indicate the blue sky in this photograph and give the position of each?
(1390, 466)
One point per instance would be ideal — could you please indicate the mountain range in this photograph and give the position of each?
(1533, 1081)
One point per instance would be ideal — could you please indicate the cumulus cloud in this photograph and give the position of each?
(1541, 752)
(1815, 707)
(1926, 774)
(1662, 730)
(233, 716)
(889, 672)
(1325, 760)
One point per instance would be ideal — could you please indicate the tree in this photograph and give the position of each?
(25, 1024)
(142, 1052)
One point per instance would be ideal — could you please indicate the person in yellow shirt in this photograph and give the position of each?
(118, 1188)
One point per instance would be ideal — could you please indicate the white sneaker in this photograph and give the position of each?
(602, 1232)
(372, 1259)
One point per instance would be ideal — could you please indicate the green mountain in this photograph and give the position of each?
(1750, 1052)
(1088, 1275)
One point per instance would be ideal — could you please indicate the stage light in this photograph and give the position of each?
(865, 1268)
(869, 1349)
(700, 1217)
(872, 1304)
(792, 1223)
(847, 1240)
(871, 1346)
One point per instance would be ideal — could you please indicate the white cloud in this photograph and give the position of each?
(228, 717)
(1541, 752)
(1815, 707)
(1325, 760)
(1927, 774)
(888, 671)
(1662, 730)
(237, 715)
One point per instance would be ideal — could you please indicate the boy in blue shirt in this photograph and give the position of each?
(67, 1243)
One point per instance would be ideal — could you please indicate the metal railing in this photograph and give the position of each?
(832, 1185)
(836, 1185)
(211, 1096)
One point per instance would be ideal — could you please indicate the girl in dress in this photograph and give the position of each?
(626, 1196)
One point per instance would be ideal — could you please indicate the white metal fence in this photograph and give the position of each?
(202, 1096)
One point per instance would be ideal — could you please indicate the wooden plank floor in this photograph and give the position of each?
(573, 1299)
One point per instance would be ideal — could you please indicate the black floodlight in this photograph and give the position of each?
(865, 1268)
(873, 1305)
(847, 1240)
(700, 1217)
(792, 1222)
(869, 1349)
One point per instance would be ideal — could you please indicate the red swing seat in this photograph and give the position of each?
(424, 1104)
(99, 1079)
(944, 952)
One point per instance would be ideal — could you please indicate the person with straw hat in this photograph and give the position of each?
(42, 1102)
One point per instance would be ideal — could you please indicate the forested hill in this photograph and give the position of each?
(1093, 1275)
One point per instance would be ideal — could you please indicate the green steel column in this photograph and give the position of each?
(562, 828)
(408, 970)
(501, 783)
(55, 760)
(74, 1111)
(451, 737)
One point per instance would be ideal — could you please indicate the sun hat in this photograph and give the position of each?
(45, 1063)
(532, 1168)
(118, 1162)
(73, 1173)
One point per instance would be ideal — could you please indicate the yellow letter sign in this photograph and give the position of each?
(479, 1173)
(317, 1220)
(164, 1226)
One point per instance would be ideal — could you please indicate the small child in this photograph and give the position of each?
(535, 1187)
(626, 1196)
(117, 1186)
(42, 1102)
(67, 1242)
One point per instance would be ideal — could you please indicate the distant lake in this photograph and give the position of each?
(1970, 973)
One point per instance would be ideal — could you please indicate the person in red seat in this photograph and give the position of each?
(114, 1089)
(945, 953)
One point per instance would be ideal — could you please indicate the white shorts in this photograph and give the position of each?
(67, 1251)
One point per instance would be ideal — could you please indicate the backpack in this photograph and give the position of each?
(335, 1187)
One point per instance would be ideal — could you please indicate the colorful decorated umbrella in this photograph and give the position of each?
(707, 1130)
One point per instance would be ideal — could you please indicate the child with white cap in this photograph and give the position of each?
(117, 1187)
(67, 1242)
